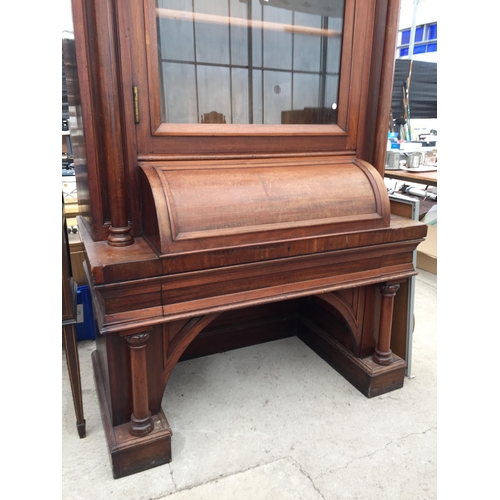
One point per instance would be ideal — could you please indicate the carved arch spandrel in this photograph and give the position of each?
(349, 303)
(175, 346)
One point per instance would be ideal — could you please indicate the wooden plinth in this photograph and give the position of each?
(370, 378)
(130, 454)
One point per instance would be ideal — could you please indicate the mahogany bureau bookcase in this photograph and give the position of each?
(229, 158)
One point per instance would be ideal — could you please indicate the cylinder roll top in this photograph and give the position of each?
(191, 206)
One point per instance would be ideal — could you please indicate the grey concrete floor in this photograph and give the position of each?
(273, 421)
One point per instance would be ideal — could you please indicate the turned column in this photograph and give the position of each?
(141, 423)
(111, 131)
(383, 353)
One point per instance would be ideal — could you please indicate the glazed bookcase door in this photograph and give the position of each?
(232, 62)
(215, 78)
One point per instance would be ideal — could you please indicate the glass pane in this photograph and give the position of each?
(176, 37)
(257, 97)
(405, 37)
(239, 34)
(181, 107)
(249, 61)
(331, 96)
(240, 105)
(212, 39)
(433, 32)
(333, 47)
(214, 92)
(419, 34)
(277, 43)
(277, 95)
(305, 45)
(305, 90)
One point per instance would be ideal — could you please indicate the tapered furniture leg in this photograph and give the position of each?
(383, 353)
(141, 423)
(71, 350)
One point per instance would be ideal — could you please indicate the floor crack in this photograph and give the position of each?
(212, 480)
(306, 474)
(377, 451)
(172, 476)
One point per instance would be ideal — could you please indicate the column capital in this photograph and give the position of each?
(137, 340)
(389, 290)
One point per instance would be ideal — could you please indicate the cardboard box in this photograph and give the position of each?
(77, 257)
(427, 251)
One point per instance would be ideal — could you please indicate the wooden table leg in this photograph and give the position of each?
(71, 349)
(383, 353)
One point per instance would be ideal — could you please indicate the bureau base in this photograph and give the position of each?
(130, 454)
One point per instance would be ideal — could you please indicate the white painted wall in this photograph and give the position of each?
(66, 16)
(426, 13)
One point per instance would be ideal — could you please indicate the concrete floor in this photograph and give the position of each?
(274, 421)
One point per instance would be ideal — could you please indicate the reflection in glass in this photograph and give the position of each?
(249, 61)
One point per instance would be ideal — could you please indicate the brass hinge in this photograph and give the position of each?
(135, 93)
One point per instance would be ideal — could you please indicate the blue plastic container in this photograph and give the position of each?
(86, 325)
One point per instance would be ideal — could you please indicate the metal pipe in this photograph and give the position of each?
(419, 192)
(413, 27)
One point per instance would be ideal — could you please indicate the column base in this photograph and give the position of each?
(382, 358)
(130, 454)
(141, 427)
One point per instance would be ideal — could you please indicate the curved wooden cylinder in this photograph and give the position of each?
(195, 207)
